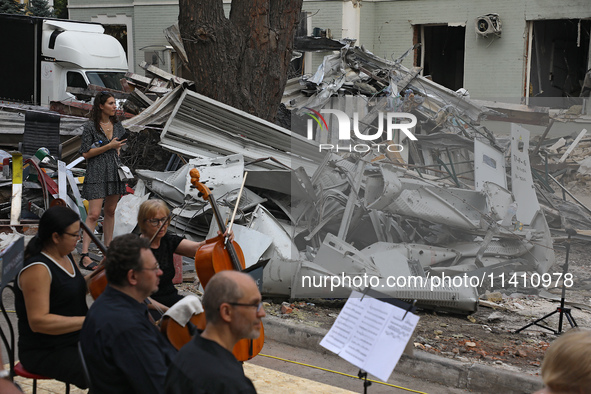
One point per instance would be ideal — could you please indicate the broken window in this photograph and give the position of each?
(442, 53)
(559, 61)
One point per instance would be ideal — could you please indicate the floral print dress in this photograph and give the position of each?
(102, 176)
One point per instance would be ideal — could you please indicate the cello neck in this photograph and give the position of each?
(222, 227)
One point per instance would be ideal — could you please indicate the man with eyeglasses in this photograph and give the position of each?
(124, 351)
(233, 310)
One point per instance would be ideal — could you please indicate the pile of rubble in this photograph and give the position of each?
(437, 221)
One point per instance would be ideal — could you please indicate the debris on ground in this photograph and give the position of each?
(488, 213)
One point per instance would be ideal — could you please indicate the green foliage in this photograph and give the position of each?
(60, 9)
(11, 7)
(39, 8)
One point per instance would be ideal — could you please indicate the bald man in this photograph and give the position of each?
(233, 310)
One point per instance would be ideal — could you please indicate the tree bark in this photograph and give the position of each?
(242, 60)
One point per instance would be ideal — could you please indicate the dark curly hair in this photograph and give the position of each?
(124, 254)
(100, 99)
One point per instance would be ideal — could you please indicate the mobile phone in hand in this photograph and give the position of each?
(124, 136)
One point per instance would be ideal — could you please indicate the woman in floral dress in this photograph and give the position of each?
(101, 142)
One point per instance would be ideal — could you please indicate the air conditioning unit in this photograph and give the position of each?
(488, 24)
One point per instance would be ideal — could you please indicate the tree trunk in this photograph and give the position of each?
(242, 60)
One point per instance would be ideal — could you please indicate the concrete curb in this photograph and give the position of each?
(451, 373)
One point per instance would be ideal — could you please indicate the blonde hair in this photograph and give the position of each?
(148, 210)
(567, 363)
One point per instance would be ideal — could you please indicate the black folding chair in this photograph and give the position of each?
(85, 369)
(16, 368)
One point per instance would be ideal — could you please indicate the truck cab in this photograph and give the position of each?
(76, 55)
(45, 56)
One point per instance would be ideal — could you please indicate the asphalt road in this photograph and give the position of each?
(332, 362)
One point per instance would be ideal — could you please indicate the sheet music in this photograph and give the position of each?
(370, 334)
(343, 327)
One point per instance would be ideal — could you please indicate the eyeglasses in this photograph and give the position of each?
(75, 235)
(258, 305)
(156, 222)
(156, 268)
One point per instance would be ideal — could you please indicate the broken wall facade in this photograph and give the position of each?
(494, 67)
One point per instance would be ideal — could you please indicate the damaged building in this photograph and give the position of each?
(511, 52)
(442, 209)
(454, 201)
(501, 51)
(451, 195)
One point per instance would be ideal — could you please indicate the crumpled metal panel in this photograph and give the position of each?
(393, 263)
(282, 246)
(437, 96)
(221, 175)
(312, 280)
(449, 298)
(426, 255)
(279, 276)
(489, 165)
(157, 113)
(505, 247)
(318, 284)
(521, 179)
(170, 185)
(453, 207)
(338, 256)
(381, 189)
(202, 127)
(542, 255)
(499, 200)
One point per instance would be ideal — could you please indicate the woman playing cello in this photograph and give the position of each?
(153, 220)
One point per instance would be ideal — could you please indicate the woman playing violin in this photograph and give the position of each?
(50, 299)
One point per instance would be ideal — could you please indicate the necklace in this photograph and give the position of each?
(105, 123)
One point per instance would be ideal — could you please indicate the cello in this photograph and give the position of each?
(217, 254)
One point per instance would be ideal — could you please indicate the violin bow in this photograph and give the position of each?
(168, 218)
(162, 225)
(236, 206)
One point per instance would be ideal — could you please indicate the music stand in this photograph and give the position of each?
(561, 310)
(406, 307)
(366, 383)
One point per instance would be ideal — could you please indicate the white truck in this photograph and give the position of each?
(42, 57)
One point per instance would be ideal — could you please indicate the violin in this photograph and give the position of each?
(215, 255)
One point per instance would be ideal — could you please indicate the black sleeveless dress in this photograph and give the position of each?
(54, 356)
